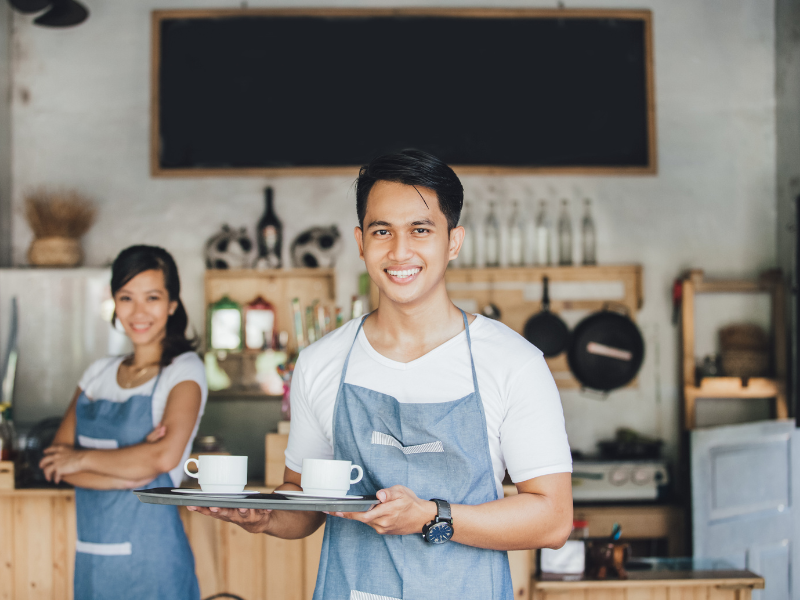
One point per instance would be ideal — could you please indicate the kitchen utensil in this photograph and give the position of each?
(219, 473)
(606, 350)
(546, 330)
(328, 477)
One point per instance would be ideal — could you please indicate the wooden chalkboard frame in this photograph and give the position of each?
(476, 13)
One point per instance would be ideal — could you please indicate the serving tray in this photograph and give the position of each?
(275, 501)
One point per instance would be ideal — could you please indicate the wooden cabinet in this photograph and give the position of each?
(676, 585)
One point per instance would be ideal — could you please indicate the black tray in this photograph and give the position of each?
(275, 501)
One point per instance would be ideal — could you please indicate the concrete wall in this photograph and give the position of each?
(81, 116)
(5, 134)
(787, 118)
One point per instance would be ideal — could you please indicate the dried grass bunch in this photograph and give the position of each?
(59, 213)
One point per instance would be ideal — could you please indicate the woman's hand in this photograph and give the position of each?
(399, 513)
(158, 432)
(60, 460)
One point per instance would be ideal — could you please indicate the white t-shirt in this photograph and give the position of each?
(523, 411)
(99, 381)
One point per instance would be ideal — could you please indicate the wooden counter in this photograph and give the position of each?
(655, 585)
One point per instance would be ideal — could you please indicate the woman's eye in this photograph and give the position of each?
(124, 298)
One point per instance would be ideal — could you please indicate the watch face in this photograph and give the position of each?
(439, 533)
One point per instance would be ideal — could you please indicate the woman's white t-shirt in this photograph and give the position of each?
(524, 418)
(99, 381)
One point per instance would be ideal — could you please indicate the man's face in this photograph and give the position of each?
(405, 243)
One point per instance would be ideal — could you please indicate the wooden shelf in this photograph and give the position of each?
(733, 387)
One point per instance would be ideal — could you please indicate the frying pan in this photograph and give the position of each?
(546, 330)
(606, 351)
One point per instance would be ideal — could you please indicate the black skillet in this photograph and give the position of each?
(546, 330)
(606, 351)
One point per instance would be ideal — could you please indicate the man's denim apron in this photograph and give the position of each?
(438, 450)
(127, 549)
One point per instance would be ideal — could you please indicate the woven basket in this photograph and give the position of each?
(745, 363)
(55, 252)
(743, 336)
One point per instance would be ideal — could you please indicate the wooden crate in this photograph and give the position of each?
(516, 291)
(278, 286)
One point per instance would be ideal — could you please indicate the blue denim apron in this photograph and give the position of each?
(126, 549)
(438, 450)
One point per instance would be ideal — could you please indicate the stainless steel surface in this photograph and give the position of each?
(262, 501)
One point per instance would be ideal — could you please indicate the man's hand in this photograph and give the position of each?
(60, 460)
(252, 520)
(399, 513)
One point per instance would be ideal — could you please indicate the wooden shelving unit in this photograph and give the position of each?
(695, 283)
(517, 292)
(278, 286)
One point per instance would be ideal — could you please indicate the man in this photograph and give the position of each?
(435, 404)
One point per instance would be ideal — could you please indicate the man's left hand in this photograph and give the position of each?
(399, 513)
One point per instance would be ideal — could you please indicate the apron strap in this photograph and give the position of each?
(469, 347)
(360, 325)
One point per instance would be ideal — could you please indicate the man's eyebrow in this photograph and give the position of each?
(378, 224)
(423, 222)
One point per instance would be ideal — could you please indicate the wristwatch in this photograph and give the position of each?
(440, 530)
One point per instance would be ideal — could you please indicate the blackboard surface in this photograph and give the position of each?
(287, 90)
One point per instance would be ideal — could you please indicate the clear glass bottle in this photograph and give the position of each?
(530, 233)
(516, 237)
(491, 236)
(588, 239)
(466, 257)
(543, 236)
(564, 235)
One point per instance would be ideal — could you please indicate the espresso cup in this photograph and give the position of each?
(322, 477)
(219, 473)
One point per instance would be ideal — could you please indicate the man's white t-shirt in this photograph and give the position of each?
(99, 381)
(523, 410)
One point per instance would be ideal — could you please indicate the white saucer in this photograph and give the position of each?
(327, 496)
(201, 492)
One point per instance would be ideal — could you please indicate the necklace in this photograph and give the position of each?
(130, 380)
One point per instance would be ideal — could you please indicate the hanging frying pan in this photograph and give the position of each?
(606, 351)
(546, 330)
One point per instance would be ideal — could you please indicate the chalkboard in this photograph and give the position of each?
(260, 91)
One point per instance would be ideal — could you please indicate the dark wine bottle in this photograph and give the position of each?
(270, 236)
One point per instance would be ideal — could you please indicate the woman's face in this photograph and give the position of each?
(143, 307)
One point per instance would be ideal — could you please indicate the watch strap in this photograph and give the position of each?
(443, 507)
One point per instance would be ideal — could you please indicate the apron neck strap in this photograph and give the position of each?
(469, 347)
(360, 325)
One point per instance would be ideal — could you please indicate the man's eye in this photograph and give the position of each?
(420, 230)
(382, 232)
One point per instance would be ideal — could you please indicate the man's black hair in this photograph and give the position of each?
(415, 168)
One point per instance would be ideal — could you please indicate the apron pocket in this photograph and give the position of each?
(123, 549)
(384, 439)
(89, 442)
(356, 595)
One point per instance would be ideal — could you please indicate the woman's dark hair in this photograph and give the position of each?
(415, 168)
(137, 259)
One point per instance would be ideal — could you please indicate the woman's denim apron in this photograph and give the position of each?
(127, 549)
(438, 450)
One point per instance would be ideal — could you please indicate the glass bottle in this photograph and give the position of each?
(516, 237)
(530, 235)
(466, 257)
(588, 239)
(259, 322)
(543, 236)
(225, 325)
(491, 236)
(270, 236)
(564, 235)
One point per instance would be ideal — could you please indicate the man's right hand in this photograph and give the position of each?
(252, 520)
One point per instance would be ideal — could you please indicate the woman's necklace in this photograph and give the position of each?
(131, 381)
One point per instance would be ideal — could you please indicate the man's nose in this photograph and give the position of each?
(401, 248)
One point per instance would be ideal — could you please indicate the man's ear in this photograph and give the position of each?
(456, 239)
(360, 241)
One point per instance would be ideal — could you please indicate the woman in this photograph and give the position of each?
(131, 424)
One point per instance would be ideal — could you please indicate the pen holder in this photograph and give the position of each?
(607, 559)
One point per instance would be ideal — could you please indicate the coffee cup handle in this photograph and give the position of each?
(360, 474)
(196, 464)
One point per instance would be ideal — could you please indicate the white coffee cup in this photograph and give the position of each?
(322, 477)
(219, 473)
